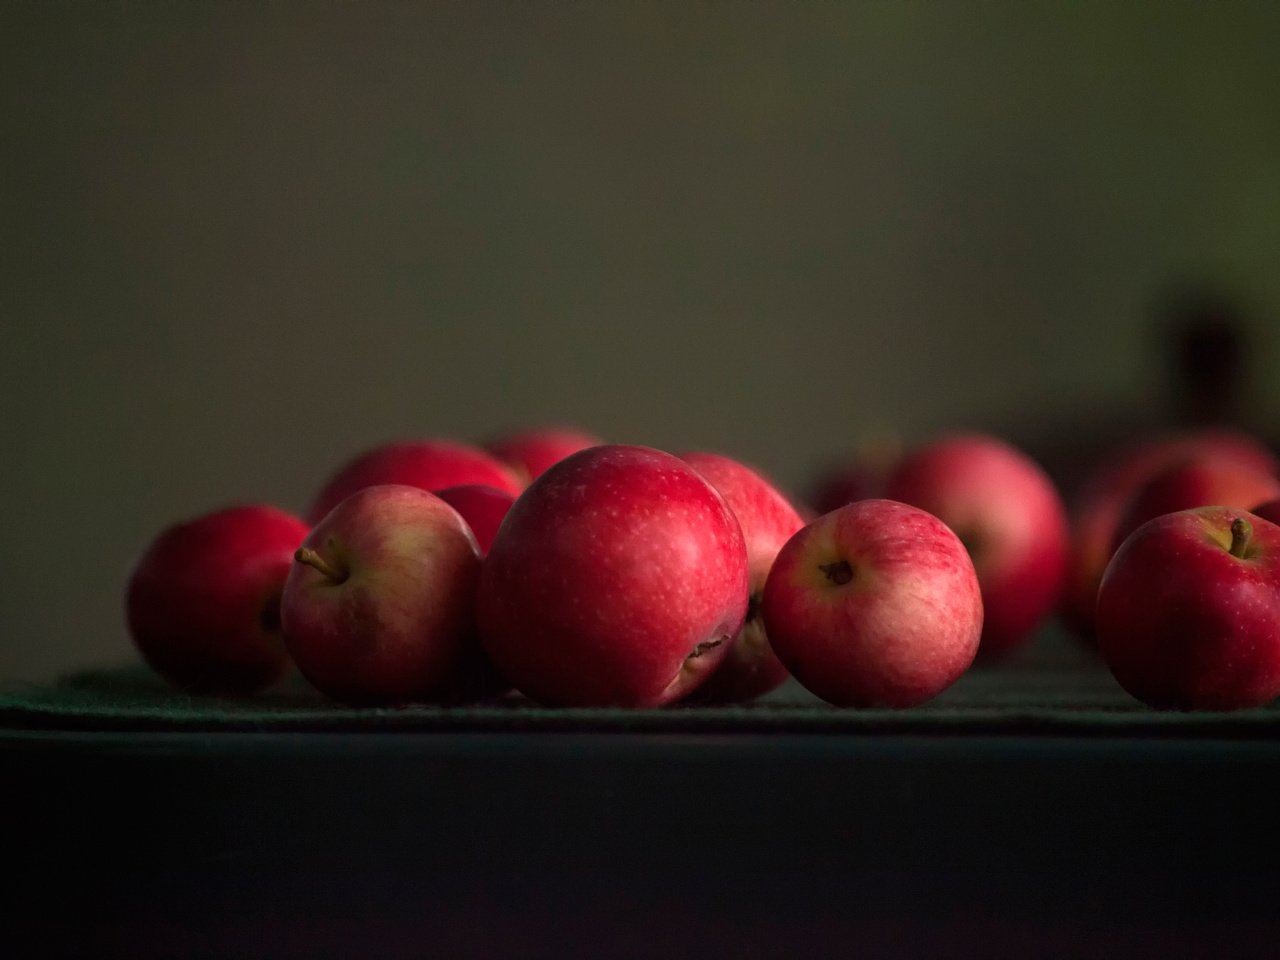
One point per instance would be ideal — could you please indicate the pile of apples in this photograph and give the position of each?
(1175, 570)
(580, 573)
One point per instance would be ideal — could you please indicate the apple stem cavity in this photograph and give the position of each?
(838, 573)
(1241, 532)
(312, 559)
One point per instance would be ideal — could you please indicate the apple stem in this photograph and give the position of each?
(1241, 531)
(313, 559)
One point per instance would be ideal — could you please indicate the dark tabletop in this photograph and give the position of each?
(1034, 809)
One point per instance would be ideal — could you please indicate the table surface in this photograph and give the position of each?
(1054, 687)
(1034, 809)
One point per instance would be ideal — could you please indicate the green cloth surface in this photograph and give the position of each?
(1054, 687)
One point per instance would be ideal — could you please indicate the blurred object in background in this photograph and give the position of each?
(1208, 345)
(859, 475)
(1201, 347)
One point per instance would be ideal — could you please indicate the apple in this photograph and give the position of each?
(1102, 500)
(203, 602)
(531, 451)
(1009, 516)
(768, 520)
(618, 578)
(860, 477)
(1189, 610)
(427, 464)
(876, 604)
(1197, 482)
(377, 608)
(482, 506)
(845, 484)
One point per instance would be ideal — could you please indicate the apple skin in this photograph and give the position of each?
(1198, 482)
(1101, 502)
(531, 452)
(482, 506)
(1184, 623)
(750, 668)
(391, 621)
(427, 464)
(618, 578)
(904, 625)
(203, 602)
(1008, 513)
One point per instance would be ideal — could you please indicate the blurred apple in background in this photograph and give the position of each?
(1107, 492)
(1010, 518)
(530, 452)
(1268, 510)
(861, 476)
(1199, 482)
(203, 602)
(482, 506)
(619, 578)
(876, 604)
(768, 520)
(1189, 611)
(427, 464)
(378, 607)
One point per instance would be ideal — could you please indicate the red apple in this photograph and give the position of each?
(1189, 611)
(1008, 514)
(1102, 500)
(378, 605)
(427, 464)
(203, 603)
(530, 452)
(619, 578)
(1198, 482)
(482, 506)
(861, 477)
(874, 605)
(768, 520)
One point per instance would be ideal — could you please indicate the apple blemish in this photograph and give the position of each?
(704, 646)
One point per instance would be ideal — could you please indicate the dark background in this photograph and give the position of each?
(241, 242)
